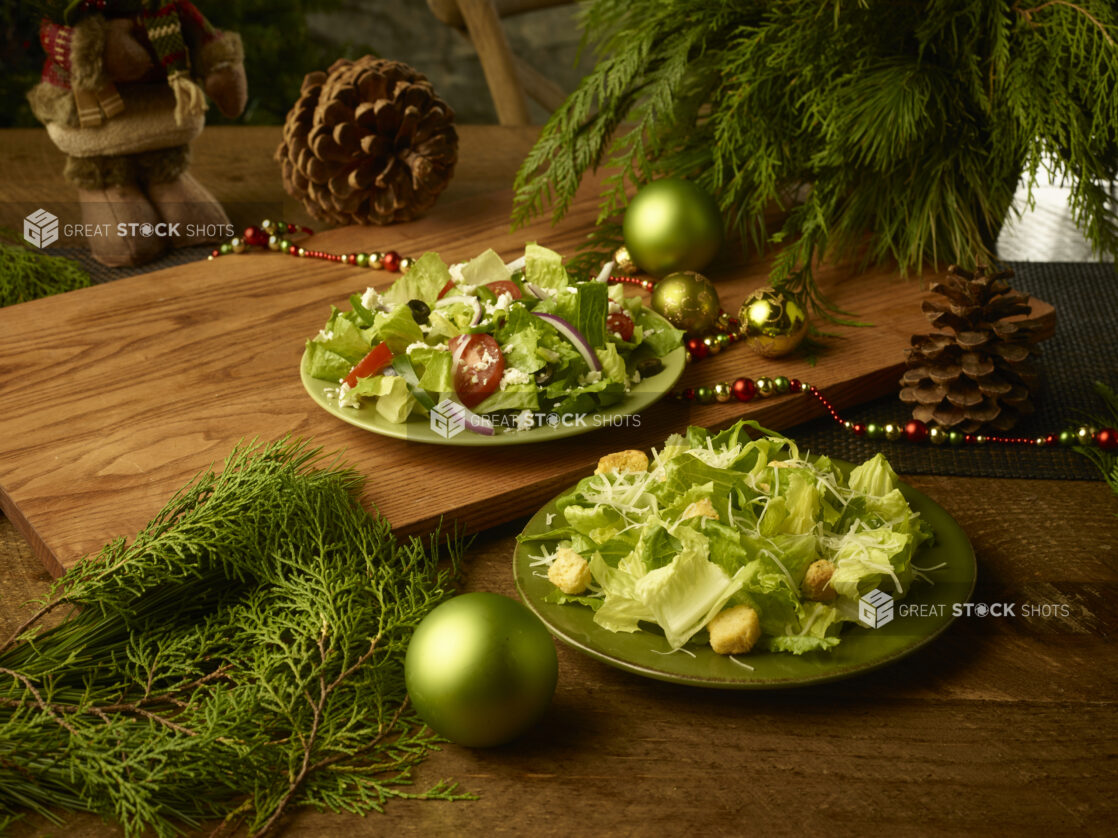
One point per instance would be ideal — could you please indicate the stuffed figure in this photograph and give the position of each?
(123, 93)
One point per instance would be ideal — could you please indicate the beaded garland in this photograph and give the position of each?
(275, 236)
(746, 389)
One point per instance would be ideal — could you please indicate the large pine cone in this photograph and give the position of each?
(368, 142)
(984, 374)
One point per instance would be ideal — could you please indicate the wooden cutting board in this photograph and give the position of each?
(114, 396)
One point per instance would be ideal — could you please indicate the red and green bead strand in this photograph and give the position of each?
(276, 236)
(914, 431)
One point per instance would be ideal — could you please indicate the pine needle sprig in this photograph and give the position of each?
(863, 132)
(242, 656)
(28, 274)
(1106, 462)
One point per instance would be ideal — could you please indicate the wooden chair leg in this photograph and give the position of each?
(497, 62)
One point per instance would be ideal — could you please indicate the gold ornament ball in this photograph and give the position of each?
(687, 300)
(623, 263)
(773, 322)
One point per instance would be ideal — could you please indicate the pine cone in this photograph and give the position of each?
(984, 374)
(368, 142)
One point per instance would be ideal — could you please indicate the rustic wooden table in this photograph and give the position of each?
(1002, 725)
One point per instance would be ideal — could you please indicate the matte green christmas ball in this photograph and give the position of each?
(481, 669)
(687, 300)
(672, 225)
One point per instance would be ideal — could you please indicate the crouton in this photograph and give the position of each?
(817, 581)
(569, 572)
(734, 630)
(700, 509)
(630, 460)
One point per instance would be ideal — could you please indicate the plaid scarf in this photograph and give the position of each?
(163, 21)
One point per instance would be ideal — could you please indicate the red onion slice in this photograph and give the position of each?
(462, 298)
(575, 337)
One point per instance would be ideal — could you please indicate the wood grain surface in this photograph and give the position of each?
(1000, 727)
(113, 396)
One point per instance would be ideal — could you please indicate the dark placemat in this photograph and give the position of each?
(99, 273)
(1083, 349)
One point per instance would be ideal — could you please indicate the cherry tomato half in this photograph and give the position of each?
(502, 285)
(479, 369)
(621, 324)
(377, 359)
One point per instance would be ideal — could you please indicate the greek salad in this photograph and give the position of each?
(509, 343)
(734, 542)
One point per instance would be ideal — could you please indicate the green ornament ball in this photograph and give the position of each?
(672, 225)
(481, 669)
(687, 300)
(773, 323)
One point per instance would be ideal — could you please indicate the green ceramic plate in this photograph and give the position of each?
(917, 619)
(418, 429)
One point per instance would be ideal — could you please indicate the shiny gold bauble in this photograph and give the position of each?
(623, 263)
(688, 301)
(773, 322)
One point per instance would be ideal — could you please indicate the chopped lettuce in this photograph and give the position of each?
(423, 281)
(544, 268)
(721, 520)
(483, 269)
(543, 370)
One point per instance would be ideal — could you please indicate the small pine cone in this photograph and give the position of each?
(984, 373)
(368, 142)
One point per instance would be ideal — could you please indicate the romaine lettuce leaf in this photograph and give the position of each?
(393, 399)
(873, 477)
(397, 328)
(423, 281)
(343, 337)
(687, 593)
(325, 364)
(544, 268)
(437, 367)
(485, 268)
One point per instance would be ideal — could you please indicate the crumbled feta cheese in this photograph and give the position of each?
(347, 397)
(503, 302)
(614, 307)
(524, 419)
(371, 298)
(550, 517)
(592, 377)
(513, 376)
(417, 345)
(325, 335)
(455, 271)
(571, 289)
(635, 378)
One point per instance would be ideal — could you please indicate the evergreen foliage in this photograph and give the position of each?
(910, 122)
(1105, 461)
(27, 274)
(243, 655)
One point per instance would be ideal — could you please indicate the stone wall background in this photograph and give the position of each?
(408, 31)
